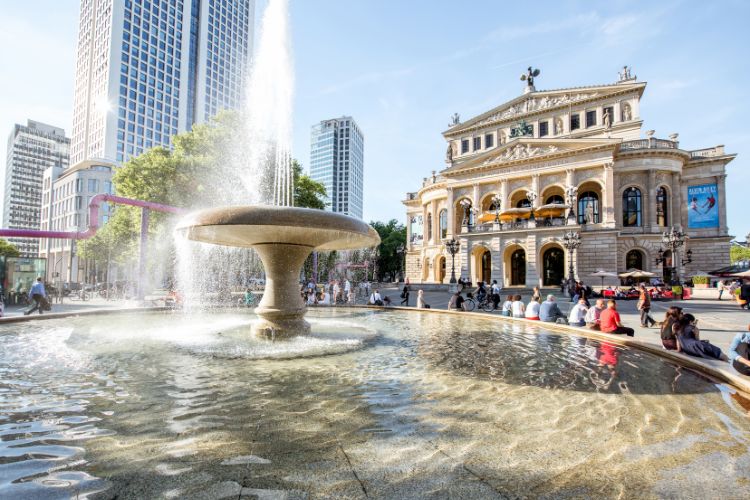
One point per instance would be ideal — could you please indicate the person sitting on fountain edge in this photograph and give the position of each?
(739, 352)
(457, 302)
(375, 298)
(550, 312)
(609, 321)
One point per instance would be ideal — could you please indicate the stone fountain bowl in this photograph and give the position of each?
(283, 237)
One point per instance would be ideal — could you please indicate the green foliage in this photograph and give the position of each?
(701, 280)
(738, 253)
(8, 249)
(392, 236)
(307, 192)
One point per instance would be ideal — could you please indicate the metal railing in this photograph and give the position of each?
(520, 224)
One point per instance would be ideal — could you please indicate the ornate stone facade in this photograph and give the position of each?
(583, 168)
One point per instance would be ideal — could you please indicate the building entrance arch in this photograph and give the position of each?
(553, 266)
(439, 269)
(486, 268)
(516, 264)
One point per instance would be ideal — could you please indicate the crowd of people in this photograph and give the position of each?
(335, 292)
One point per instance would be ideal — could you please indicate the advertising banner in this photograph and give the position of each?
(703, 206)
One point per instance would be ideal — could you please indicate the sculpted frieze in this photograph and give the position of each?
(533, 104)
(522, 151)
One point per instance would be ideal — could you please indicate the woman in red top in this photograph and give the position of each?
(609, 321)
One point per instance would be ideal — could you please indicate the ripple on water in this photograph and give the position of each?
(177, 406)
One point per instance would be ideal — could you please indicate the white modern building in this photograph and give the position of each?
(337, 162)
(66, 195)
(31, 150)
(148, 69)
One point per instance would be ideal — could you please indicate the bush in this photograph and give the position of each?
(701, 280)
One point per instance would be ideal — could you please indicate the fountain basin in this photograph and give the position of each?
(283, 237)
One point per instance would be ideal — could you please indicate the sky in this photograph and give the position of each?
(401, 69)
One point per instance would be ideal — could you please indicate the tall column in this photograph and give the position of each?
(497, 261)
(721, 186)
(651, 201)
(535, 188)
(435, 223)
(679, 215)
(451, 214)
(475, 202)
(409, 245)
(608, 196)
(504, 194)
(463, 255)
(532, 271)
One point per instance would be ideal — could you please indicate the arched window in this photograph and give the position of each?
(661, 206)
(555, 198)
(443, 218)
(631, 207)
(429, 227)
(634, 260)
(588, 208)
(523, 203)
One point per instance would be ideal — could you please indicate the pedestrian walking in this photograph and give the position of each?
(644, 306)
(38, 295)
(405, 296)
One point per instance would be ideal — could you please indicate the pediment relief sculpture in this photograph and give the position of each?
(537, 104)
(521, 152)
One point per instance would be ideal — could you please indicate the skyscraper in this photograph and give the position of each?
(337, 162)
(31, 150)
(148, 69)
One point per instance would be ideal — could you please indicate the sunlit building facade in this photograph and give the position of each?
(31, 150)
(337, 162)
(149, 69)
(523, 175)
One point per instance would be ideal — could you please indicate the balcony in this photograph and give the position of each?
(650, 143)
(518, 225)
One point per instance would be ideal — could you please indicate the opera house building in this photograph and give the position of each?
(571, 164)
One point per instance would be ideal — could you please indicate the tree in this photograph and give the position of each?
(307, 192)
(738, 253)
(392, 236)
(8, 249)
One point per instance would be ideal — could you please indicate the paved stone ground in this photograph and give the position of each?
(72, 305)
(719, 321)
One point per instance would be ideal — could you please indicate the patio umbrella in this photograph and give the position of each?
(487, 217)
(604, 274)
(551, 209)
(743, 274)
(636, 273)
(515, 213)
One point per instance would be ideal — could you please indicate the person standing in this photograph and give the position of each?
(405, 296)
(495, 295)
(38, 295)
(644, 306)
(609, 321)
(347, 288)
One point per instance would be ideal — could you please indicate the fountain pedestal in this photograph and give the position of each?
(283, 237)
(282, 311)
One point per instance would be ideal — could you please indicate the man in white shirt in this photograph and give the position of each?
(336, 292)
(376, 299)
(592, 316)
(326, 300)
(577, 316)
(37, 294)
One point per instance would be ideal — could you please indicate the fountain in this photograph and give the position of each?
(283, 237)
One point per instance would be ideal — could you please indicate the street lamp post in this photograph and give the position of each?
(571, 192)
(452, 247)
(672, 240)
(401, 251)
(571, 242)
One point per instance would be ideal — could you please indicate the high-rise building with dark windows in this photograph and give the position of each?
(149, 69)
(337, 162)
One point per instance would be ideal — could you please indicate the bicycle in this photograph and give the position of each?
(470, 303)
